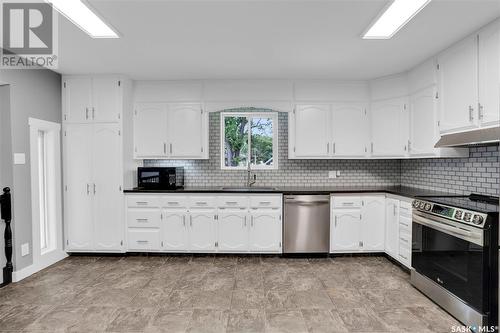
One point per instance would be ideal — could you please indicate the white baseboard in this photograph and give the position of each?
(36, 267)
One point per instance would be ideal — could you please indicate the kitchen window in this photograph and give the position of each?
(249, 138)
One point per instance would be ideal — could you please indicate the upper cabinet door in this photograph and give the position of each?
(150, 130)
(311, 129)
(373, 223)
(77, 100)
(186, 128)
(106, 100)
(389, 128)
(489, 74)
(106, 188)
(424, 131)
(458, 87)
(350, 130)
(77, 158)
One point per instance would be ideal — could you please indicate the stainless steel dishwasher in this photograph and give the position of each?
(307, 224)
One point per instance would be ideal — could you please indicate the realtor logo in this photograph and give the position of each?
(28, 35)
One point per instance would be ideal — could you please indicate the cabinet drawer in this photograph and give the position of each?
(346, 202)
(143, 218)
(202, 202)
(405, 223)
(175, 202)
(270, 201)
(230, 202)
(143, 239)
(404, 255)
(142, 201)
(404, 240)
(405, 209)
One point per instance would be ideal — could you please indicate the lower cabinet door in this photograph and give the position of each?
(265, 231)
(373, 224)
(392, 227)
(345, 230)
(233, 231)
(175, 230)
(202, 231)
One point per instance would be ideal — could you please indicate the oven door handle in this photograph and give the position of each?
(470, 236)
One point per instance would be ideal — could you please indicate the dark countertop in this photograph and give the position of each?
(404, 191)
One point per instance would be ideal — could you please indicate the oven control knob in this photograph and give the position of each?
(416, 203)
(467, 217)
(427, 207)
(478, 219)
(459, 214)
(422, 205)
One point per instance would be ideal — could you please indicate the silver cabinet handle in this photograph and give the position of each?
(394, 209)
(372, 147)
(191, 221)
(471, 113)
(87, 112)
(142, 220)
(141, 203)
(170, 148)
(93, 112)
(88, 189)
(481, 109)
(334, 144)
(406, 225)
(94, 188)
(164, 147)
(335, 221)
(251, 221)
(347, 203)
(265, 203)
(402, 256)
(184, 220)
(201, 203)
(231, 202)
(404, 240)
(173, 203)
(328, 147)
(409, 145)
(142, 241)
(245, 221)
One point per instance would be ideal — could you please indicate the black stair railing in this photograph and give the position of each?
(6, 215)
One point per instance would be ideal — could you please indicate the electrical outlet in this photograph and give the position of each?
(332, 174)
(338, 173)
(25, 249)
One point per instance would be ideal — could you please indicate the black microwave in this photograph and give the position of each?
(160, 178)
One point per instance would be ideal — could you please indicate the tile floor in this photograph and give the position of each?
(219, 294)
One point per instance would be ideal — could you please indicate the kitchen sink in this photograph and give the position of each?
(249, 188)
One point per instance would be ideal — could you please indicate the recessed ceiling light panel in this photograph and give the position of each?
(83, 17)
(394, 17)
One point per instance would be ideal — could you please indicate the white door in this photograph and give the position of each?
(106, 102)
(311, 130)
(348, 142)
(185, 130)
(202, 231)
(424, 131)
(77, 99)
(457, 85)
(77, 158)
(345, 230)
(265, 231)
(150, 130)
(109, 222)
(233, 231)
(175, 230)
(489, 74)
(389, 128)
(392, 227)
(373, 223)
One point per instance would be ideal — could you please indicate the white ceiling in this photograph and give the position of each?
(276, 39)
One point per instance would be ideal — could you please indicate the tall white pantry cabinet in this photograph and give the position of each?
(93, 172)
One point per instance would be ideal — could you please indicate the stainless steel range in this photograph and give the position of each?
(455, 256)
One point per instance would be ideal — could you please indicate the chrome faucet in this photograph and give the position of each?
(250, 182)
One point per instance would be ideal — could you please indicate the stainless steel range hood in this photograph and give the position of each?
(484, 136)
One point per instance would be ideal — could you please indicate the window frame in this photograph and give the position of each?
(248, 114)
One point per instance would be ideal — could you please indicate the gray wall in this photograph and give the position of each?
(290, 172)
(37, 94)
(480, 173)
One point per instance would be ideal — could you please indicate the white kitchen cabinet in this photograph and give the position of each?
(186, 130)
(345, 230)
(373, 223)
(265, 231)
(424, 130)
(175, 230)
(77, 160)
(92, 187)
(77, 99)
(310, 131)
(233, 230)
(202, 230)
(392, 227)
(458, 86)
(92, 99)
(349, 130)
(489, 74)
(150, 130)
(389, 128)
(107, 190)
